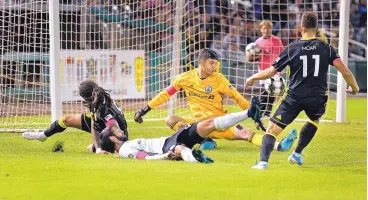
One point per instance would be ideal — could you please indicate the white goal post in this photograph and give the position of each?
(136, 48)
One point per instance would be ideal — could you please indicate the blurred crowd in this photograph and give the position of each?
(228, 26)
(224, 25)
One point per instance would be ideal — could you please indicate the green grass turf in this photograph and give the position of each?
(335, 168)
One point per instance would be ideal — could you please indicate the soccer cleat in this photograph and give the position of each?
(200, 157)
(288, 141)
(58, 147)
(256, 113)
(208, 144)
(40, 136)
(296, 158)
(260, 165)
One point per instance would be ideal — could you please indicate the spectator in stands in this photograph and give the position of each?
(232, 37)
(217, 45)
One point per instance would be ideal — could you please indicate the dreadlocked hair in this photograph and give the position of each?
(101, 98)
(86, 90)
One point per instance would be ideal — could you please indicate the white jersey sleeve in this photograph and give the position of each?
(130, 149)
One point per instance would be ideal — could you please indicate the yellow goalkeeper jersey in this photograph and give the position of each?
(205, 96)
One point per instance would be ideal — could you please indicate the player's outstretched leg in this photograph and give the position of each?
(176, 123)
(57, 126)
(255, 113)
(288, 141)
(306, 135)
(190, 155)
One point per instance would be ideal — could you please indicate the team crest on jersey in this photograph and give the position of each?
(208, 89)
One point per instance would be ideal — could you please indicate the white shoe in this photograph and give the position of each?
(40, 136)
(296, 158)
(260, 165)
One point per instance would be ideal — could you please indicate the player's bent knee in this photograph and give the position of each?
(314, 122)
(209, 123)
(90, 148)
(173, 120)
(70, 120)
(169, 120)
(274, 129)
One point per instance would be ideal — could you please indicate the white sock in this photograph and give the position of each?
(186, 155)
(230, 120)
(276, 145)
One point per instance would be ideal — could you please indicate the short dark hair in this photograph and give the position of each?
(207, 53)
(309, 20)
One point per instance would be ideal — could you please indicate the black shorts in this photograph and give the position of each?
(290, 108)
(186, 136)
(86, 122)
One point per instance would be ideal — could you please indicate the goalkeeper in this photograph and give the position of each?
(204, 89)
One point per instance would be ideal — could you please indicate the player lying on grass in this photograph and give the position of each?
(103, 111)
(309, 60)
(204, 89)
(180, 144)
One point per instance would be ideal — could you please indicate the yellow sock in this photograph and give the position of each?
(176, 125)
(256, 139)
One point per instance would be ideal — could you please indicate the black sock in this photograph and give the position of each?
(55, 127)
(306, 134)
(268, 142)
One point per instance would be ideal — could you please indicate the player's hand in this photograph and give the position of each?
(173, 156)
(140, 113)
(249, 82)
(350, 90)
(99, 151)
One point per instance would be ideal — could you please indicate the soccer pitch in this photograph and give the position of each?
(335, 168)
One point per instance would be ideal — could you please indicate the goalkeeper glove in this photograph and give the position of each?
(138, 115)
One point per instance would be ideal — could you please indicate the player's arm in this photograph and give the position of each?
(112, 124)
(348, 76)
(159, 99)
(96, 140)
(230, 91)
(265, 74)
(280, 63)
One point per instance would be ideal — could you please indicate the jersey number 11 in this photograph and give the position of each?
(305, 65)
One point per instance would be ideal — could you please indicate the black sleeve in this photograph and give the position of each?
(333, 55)
(283, 60)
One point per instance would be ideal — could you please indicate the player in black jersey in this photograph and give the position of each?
(82, 121)
(309, 59)
(105, 113)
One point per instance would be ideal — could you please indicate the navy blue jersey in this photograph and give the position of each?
(104, 113)
(309, 61)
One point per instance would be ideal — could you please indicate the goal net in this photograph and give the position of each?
(135, 49)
